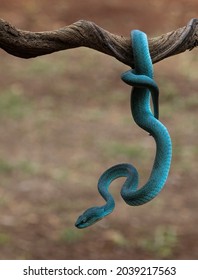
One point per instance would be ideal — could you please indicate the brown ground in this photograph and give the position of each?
(65, 118)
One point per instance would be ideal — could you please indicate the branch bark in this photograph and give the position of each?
(84, 33)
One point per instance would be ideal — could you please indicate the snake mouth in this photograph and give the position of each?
(83, 223)
(79, 223)
(80, 226)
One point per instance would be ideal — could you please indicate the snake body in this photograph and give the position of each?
(144, 87)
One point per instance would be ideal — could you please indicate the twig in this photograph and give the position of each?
(27, 44)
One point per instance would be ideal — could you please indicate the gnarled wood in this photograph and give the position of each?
(27, 44)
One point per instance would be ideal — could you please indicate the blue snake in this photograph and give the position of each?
(144, 88)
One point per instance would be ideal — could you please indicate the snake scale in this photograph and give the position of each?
(144, 88)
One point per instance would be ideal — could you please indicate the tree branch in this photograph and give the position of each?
(27, 44)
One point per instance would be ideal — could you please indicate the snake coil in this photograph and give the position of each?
(144, 87)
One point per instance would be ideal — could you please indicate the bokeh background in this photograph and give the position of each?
(65, 118)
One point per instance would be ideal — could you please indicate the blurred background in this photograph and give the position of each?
(65, 118)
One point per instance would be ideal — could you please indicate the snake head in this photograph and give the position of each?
(90, 217)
